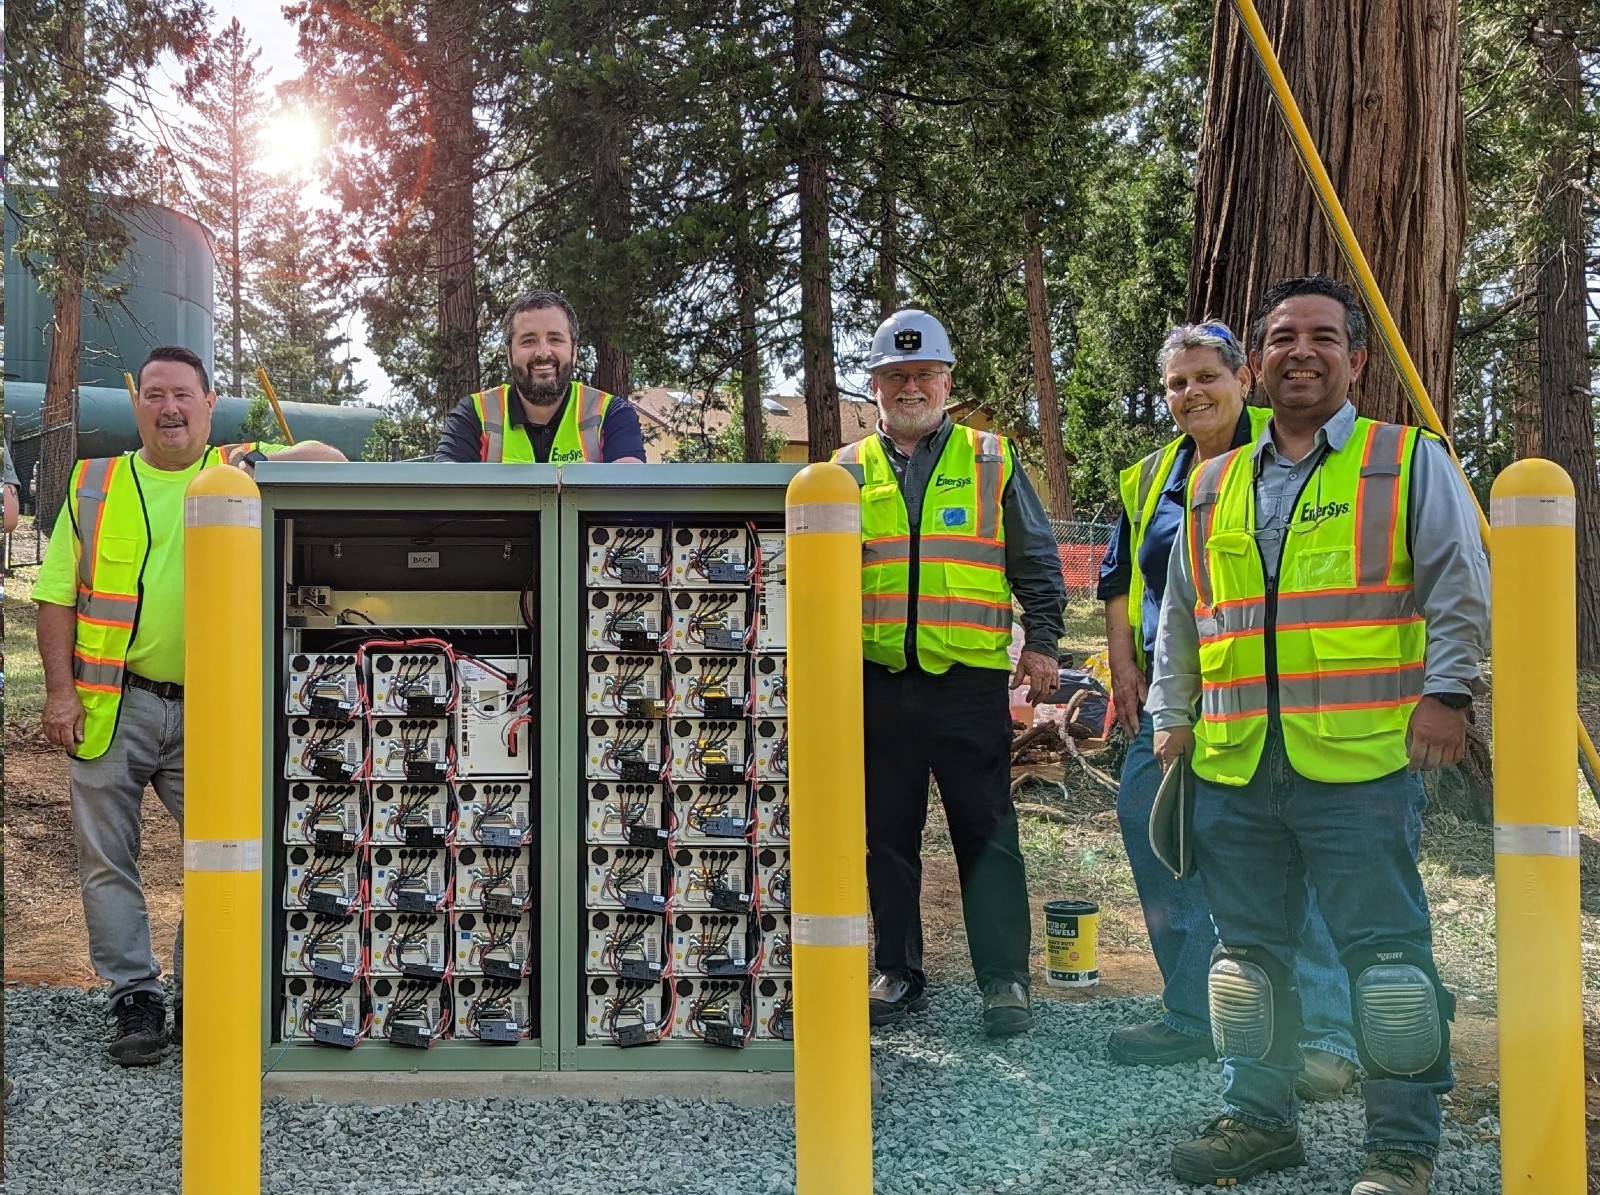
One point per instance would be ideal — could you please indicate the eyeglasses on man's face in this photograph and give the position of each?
(897, 379)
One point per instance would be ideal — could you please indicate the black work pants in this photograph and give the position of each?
(958, 726)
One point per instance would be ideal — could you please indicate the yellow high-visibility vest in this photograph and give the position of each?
(963, 600)
(577, 437)
(1340, 639)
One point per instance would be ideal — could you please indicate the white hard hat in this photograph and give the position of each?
(909, 335)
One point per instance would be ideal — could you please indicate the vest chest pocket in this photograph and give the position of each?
(116, 569)
(1235, 566)
(1357, 674)
(1319, 568)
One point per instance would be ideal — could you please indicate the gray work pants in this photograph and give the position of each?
(106, 796)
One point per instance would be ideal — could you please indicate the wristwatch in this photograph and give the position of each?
(253, 458)
(1454, 701)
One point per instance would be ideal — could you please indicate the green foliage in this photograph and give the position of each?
(405, 431)
(726, 445)
(260, 423)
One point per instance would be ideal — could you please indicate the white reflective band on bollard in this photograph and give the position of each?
(808, 517)
(813, 929)
(222, 854)
(1526, 510)
(1517, 839)
(221, 510)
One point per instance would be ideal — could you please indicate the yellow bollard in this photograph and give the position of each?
(1537, 931)
(222, 835)
(828, 835)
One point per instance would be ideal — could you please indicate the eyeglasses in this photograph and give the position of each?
(896, 379)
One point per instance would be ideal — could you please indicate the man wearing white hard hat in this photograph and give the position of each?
(951, 532)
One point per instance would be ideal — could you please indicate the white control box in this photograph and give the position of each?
(774, 556)
(323, 686)
(626, 620)
(777, 944)
(415, 749)
(625, 877)
(615, 1007)
(711, 813)
(713, 878)
(329, 948)
(627, 944)
(415, 815)
(624, 749)
(413, 683)
(330, 816)
(322, 881)
(710, 1004)
(412, 944)
(709, 686)
(323, 749)
(495, 717)
(410, 880)
(772, 686)
(707, 556)
(774, 1009)
(772, 812)
(497, 1011)
(624, 555)
(707, 620)
(772, 749)
(713, 750)
(772, 617)
(717, 945)
(494, 879)
(772, 867)
(493, 946)
(619, 814)
(625, 686)
(494, 812)
(410, 1012)
(320, 1010)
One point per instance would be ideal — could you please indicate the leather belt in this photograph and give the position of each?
(170, 690)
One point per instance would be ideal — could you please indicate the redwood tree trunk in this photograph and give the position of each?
(451, 28)
(58, 443)
(1057, 471)
(1378, 84)
(816, 275)
(888, 217)
(1565, 401)
(750, 365)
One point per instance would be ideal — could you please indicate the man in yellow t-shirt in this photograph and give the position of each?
(111, 639)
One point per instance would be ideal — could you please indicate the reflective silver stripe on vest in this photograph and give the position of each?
(1350, 690)
(1297, 611)
(1148, 468)
(956, 549)
(850, 454)
(493, 403)
(93, 484)
(883, 607)
(590, 417)
(991, 467)
(935, 611)
(1378, 500)
(101, 673)
(1207, 489)
(1219, 703)
(107, 607)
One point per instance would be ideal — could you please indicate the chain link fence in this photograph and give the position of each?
(25, 546)
(1081, 544)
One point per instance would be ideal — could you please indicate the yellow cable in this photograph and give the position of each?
(1387, 330)
(272, 397)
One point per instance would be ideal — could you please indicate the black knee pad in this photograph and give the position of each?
(1402, 1012)
(1255, 1007)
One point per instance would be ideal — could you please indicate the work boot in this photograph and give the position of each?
(175, 1037)
(141, 1029)
(1156, 1043)
(894, 996)
(1228, 1151)
(1005, 1008)
(1324, 1076)
(1394, 1172)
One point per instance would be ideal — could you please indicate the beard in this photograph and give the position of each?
(542, 394)
(911, 422)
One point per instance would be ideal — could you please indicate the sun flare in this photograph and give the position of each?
(290, 143)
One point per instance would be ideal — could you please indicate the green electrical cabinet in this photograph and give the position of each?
(525, 795)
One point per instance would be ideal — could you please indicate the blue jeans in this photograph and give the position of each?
(1182, 936)
(1256, 846)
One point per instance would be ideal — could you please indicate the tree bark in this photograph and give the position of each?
(612, 365)
(452, 25)
(816, 276)
(755, 416)
(888, 217)
(1566, 403)
(1057, 470)
(1378, 83)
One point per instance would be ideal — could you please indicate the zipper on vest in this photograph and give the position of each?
(1274, 714)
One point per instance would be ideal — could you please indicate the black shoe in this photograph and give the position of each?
(1157, 1044)
(1228, 1150)
(141, 1029)
(893, 997)
(1005, 1008)
(175, 1037)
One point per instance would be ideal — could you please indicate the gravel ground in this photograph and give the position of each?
(1041, 1113)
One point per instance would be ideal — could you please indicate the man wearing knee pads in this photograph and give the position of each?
(1326, 610)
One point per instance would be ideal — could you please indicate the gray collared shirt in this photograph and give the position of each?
(1450, 569)
(1033, 566)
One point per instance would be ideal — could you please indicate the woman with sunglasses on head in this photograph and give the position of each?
(1206, 379)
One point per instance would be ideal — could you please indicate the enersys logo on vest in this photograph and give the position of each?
(942, 482)
(1328, 510)
(562, 456)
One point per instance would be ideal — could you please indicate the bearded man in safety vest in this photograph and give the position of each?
(1327, 609)
(111, 639)
(542, 415)
(951, 529)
